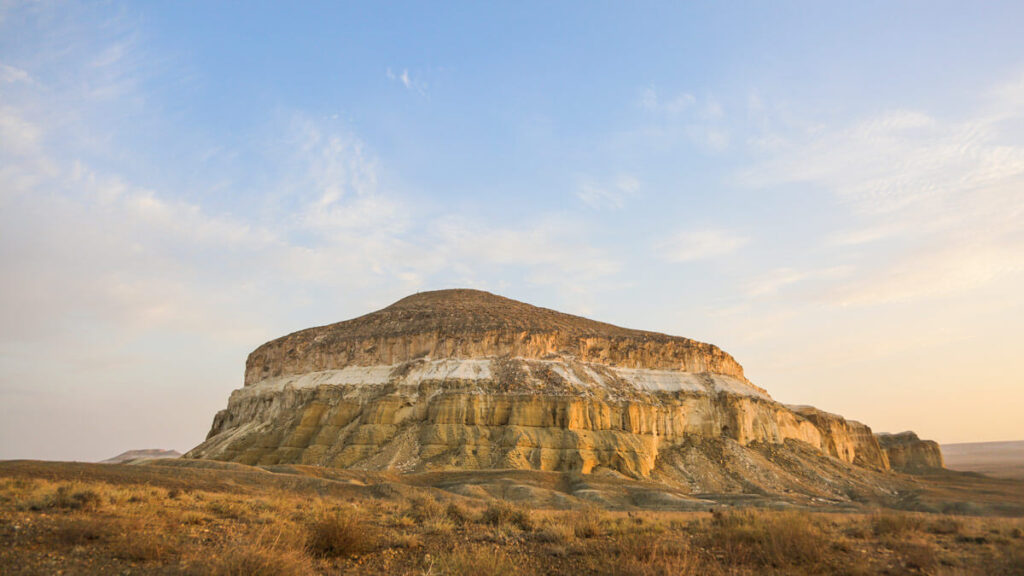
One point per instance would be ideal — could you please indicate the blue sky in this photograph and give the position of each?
(832, 193)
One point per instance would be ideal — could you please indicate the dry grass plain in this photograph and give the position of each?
(219, 519)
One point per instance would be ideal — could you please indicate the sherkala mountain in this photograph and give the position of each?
(467, 380)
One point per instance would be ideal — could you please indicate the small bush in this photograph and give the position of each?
(340, 535)
(945, 525)
(80, 532)
(775, 539)
(134, 543)
(228, 509)
(255, 560)
(193, 517)
(67, 498)
(916, 555)
(423, 509)
(457, 513)
(407, 541)
(502, 513)
(893, 523)
(478, 562)
(642, 556)
(440, 525)
(555, 534)
(587, 523)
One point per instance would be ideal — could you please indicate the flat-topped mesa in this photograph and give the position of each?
(463, 379)
(448, 324)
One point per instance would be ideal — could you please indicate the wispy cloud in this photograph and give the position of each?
(407, 80)
(693, 245)
(673, 106)
(612, 195)
(11, 75)
(702, 121)
(778, 279)
(945, 192)
(120, 271)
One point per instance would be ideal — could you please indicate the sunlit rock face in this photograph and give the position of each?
(905, 451)
(848, 440)
(464, 379)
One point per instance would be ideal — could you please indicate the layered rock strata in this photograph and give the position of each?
(905, 451)
(463, 379)
(847, 440)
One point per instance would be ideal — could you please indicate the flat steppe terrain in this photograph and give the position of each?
(998, 459)
(200, 517)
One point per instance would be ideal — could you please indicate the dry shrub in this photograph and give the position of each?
(555, 533)
(193, 517)
(643, 556)
(893, 523)
(501, 513)
(588, 523)
(340, 534)
(69, 497)
(478, 562)
(134, 541)
(439, 525)
(1009, 563)
(423, 509)
(83, 531)
(944, 525)
(457, 513)
(916, 554)
(407, 541)
(775, 539)
(254, 560)
(228, 509)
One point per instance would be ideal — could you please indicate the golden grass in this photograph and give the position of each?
(341, 534)
(478, 562)
(91, 527)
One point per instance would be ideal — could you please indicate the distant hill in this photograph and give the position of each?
(997, 459)
(148, 454)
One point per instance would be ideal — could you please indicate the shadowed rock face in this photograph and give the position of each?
(906, 451)
(463, 379)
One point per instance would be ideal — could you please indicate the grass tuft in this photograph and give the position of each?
(893, 524)
(478, 562)
(775, 539)
(501, 513)
(339, 535)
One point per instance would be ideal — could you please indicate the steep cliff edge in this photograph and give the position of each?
(463, 379)
(907, 452)
(848, 440)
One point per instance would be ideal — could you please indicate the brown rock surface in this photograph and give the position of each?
(906, 451)
(463, 379)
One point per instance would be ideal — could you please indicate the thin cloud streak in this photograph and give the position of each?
(947, 190)
(694, 245)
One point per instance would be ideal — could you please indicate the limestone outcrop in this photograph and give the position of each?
(848, 440)
(907, 452)
(463, 379)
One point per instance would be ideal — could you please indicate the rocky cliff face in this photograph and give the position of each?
(462, 379)
(848, 440)
(907, 452)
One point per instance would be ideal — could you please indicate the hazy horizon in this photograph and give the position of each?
(832, 194)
